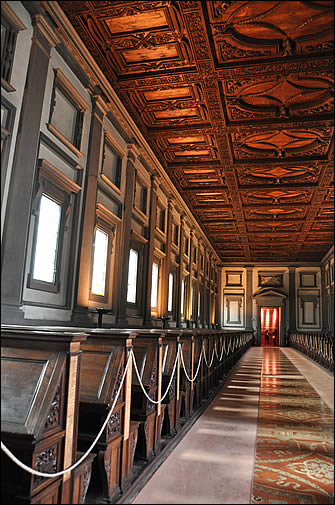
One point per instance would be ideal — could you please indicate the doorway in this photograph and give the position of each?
(270, 321)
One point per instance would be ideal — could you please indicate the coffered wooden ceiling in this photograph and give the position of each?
(236, 100)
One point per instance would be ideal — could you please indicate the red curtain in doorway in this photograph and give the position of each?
(269, 321)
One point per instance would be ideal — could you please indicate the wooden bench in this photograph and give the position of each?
(148, 355)
(171, 416)
(39, 412)
(104, 356)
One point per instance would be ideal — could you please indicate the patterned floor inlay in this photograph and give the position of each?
(295, 438)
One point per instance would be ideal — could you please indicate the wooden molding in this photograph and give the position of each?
(71, 90)
(13, 19)
(57, 177)
(65, 141)
(106, 215)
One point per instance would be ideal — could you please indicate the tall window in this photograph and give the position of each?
(182, 297)
(132, 276)
(170, 299)
(199, 302)
(154, 285)
(99, 263)
(47, 240)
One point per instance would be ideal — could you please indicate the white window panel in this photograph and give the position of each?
(47, 240)
(99, 262)
(154, 285)
(170, 301)
(132, 276)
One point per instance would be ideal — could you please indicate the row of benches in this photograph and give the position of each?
(318, 346)
(59, 384)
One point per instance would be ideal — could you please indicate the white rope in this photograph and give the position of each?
(204, 352)
(216, 352)
(182, 360)
(66, 470)
(141, 384)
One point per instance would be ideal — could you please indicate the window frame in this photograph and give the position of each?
(57, 186)
(57, 195)
(110, 232)
(133, 304)
(64, 86)
(161, 219)
(175, 235)
(142, 209)
(12, 25)
(108, 142)
(6, 137)
(155, 308)
(173, 299)
(183, 299)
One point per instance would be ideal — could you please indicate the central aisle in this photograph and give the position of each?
(215, 460)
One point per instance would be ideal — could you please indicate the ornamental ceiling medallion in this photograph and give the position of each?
(235, 98)
(278, 175)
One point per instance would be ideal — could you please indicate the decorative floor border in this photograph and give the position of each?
(295, 438)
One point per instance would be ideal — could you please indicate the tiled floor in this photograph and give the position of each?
(291, 435)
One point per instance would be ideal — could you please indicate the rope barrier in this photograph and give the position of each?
(204, 352)
(141, 384)
(70, 468)
(216, 353)
(131, 354)
(182, 360)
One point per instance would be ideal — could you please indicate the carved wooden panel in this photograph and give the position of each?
(283, 97)
(282, 143)
(279, 174)
(262, 30)
(235, 98)
(276, 196)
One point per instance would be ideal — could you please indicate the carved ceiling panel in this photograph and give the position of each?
(279, 174)
(274, 227)
(261, 30)
(276, 196)
(235, 98)
(278, 212)
(278, 97)
(282, 143)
